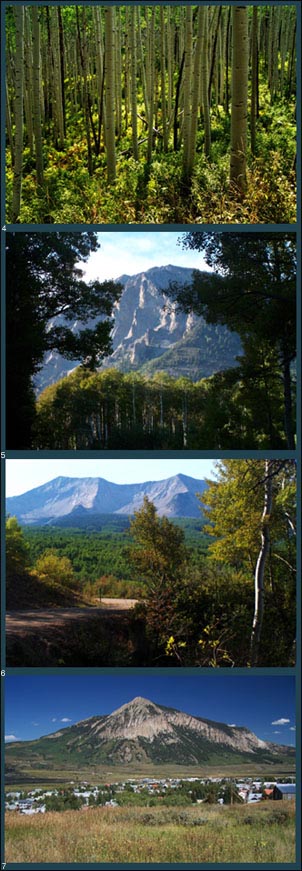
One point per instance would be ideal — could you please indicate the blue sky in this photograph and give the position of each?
(23, 475)
(127, 252)
(38, 704)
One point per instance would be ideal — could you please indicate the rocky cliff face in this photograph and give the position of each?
(62, 497)
(144, 731)
(149, 334)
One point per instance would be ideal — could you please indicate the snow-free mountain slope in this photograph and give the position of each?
(63, 497)
(143, 731)
(150, 334)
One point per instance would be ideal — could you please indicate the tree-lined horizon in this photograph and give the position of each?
(179, 113)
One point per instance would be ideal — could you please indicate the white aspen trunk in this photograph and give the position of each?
(118, 75)
(163, 77)
(145, 85)
(84, 57)
(239, 98)
(227, 54)
(170, 64)
(196, 88)
(19, 61)
(110, 91)
(57, 77)
(133, 83)
(187, 90)
(28, 83)
(127, 84)
(9, 125)
(151, 95)
(205, 84)
(36, 96)
(254, 98)
(260, 566)
(100, 66)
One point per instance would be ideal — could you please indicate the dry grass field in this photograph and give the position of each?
(261, 833)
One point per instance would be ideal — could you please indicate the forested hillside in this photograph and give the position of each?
(161, 114)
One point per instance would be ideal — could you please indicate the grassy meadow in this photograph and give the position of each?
(196, 834)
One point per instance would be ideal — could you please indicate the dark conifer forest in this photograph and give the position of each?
(150, 114)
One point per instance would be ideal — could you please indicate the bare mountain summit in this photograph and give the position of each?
(142, 731)
(149, 334)
(81, 497)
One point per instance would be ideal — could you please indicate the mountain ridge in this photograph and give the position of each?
(63, 496)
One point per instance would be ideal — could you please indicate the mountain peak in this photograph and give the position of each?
(142, 732)
(67, 497)
(148, 335)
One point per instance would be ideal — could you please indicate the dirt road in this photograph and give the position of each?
(41, 620)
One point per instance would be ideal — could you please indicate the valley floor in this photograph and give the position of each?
(202, 833)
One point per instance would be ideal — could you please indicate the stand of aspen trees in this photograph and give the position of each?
(139, 81)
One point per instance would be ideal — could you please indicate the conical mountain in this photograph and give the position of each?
(142, 731)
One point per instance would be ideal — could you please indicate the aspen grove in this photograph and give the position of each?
(150, 114)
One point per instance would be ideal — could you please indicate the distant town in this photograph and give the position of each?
(149, 791)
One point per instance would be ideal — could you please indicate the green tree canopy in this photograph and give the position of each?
(55, 569)
(252, 290)
(17, 551)
(251, 514)
(45, 291)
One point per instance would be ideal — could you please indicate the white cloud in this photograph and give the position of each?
(53, 719)
(35, 724)
(10, 738)
(232, 725)
(276, 732)
(66, 720)
(292, 728)
(281, 722)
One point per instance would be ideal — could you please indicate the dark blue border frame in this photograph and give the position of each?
(141, 454)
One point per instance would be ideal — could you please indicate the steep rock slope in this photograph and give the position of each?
(63, 497)
(149, 334)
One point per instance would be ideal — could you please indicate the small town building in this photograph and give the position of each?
(284, 791)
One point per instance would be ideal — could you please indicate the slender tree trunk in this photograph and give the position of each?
(142, 63)
(28, 79)
(187, 91)
(9, 125)
(204, 85)
(110, 91)
(254, 100)
(100, 72)
(196, 88)
(261, 563)
(151, 92)
(62, 65)
(239, 98)
(163, 77)
(82, 38)
(36, 96)
(17, 181)
(57, 77)
(227, 51)
(133, 82)
(118, 74)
